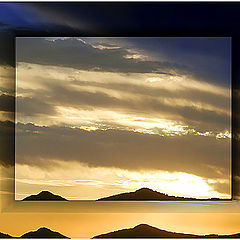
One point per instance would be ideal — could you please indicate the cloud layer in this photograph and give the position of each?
(208, 157)
(202, 106)
(106, 103)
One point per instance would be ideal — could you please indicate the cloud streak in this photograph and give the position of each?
(123, 149)
(75, 53)
(128, 94)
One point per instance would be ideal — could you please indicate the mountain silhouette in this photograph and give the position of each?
(44, 196)
(43, 233)
(147, 231)
(143, 231)
(4, 235)
(40, 233)
(146, 194)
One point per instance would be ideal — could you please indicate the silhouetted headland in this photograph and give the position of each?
(147, 231)
(4, 235)
(44, 196)
(40, 233)
(146, 194)
(43, 233)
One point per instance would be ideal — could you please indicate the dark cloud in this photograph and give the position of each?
(72, 52)
(7, 103)
(236, 186)
(64, 95)
(128, 150)
(208, 58)
(7, 143)
(187, 94)
(221, 187)
(205, 116)
(75, 53)
(29, 106)
(3, 25)
(7, 45)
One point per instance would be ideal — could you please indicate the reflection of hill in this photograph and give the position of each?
(44, 196)
(43, 233)
(146, 231)
(146, 194)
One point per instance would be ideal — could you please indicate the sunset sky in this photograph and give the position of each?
(101, 116)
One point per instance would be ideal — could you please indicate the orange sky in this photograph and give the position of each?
(89, 225)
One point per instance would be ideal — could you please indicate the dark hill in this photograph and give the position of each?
(3, 235)
(146, 194)
(146, 231)
(44, 196)
(236, 235)
(43, 233)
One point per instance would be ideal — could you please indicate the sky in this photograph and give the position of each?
(102, 116)
(204, 59)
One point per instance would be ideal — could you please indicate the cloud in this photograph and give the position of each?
(3, 26)
(207, 116)
(7, 143)
(207, 157)
(7, 103)
(75, 53)
(111, 181)
(65, 96)
(189, 94)
(123, 99)
(7, 84)
(6, 48)
(136, 106)
(57, 16)
(193, 103)
(221, 186)
(208, 58)
(33, 107)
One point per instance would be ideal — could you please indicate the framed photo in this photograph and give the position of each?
(124, 124)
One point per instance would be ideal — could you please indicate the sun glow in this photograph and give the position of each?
(112, 181)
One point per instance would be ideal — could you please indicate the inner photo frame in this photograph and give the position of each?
(112, 119)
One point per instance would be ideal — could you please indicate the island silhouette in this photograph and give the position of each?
(139, 231)
(146, 194)
(42, 232)
(44, 196)
(4, 235)
(147, 231)
(142, 194)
